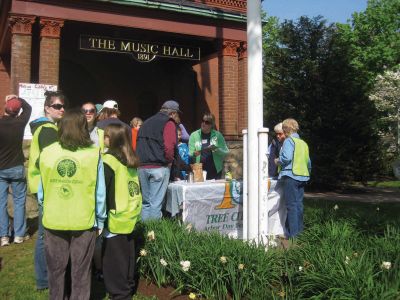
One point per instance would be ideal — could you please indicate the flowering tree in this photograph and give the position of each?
(386, 97)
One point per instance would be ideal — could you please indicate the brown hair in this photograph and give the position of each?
(106, 113)
(50, 95)
(210, 118)
(120, 145)
(73, 130)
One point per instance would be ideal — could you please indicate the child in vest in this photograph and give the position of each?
(180, 166)
(124, 204)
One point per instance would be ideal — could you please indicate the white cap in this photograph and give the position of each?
(110, 104)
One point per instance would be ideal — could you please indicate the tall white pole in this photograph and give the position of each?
(255, 109)
(263, 186)
(245, 184)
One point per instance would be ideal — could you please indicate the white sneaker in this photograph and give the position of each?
(5, 241)
(21, 239)
(18, 240)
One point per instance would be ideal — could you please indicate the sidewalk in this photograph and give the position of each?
(361, 194)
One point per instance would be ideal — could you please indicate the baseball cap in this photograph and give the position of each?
(110, 104)
(171, 104)
(13, 106)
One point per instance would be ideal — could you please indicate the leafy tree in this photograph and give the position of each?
(309, 76)
(386, 97)
(375, 37)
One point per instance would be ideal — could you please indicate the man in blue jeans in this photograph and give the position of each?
(155, 146)
(12, 171)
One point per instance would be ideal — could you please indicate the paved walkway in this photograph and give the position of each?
(361, 194)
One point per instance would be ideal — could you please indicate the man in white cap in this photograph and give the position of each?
(109, 114)
(155, 147)
(12, 171)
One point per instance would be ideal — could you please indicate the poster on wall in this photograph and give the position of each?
(33, 93)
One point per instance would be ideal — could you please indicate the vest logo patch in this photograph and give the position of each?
(66, 167)
(65, 191)
(133, 188)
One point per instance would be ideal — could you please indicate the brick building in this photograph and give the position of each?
(137, 52)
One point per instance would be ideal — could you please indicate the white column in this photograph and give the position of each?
(245, 180)
(263, 185)
(255, 109)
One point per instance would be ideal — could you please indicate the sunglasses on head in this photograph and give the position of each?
(206, 122)
(89, 111)
(57, 106)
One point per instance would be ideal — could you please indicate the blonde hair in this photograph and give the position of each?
(290, 126)
(135, 122)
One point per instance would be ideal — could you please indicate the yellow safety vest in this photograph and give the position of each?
(69, 181)
(300, 158)
(128, 198)
(34, 152)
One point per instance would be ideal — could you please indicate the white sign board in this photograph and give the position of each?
(34, 94)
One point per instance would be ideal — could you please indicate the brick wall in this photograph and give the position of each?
(207, 89)
(242, 94)
(49, 60)
(4, 84)
(20, 60)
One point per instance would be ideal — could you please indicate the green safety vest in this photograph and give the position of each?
(69, 181)
(34, 152)
(300, 158)
(128, 198)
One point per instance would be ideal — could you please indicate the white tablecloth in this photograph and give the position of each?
(217, 205)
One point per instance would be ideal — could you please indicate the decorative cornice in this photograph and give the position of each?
(21, 24)
(236, 5)
(242, 50)
(50, 28)
(230, 48)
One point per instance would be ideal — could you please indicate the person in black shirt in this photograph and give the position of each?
(12, 171)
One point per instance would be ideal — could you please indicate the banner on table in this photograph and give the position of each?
(218, 207)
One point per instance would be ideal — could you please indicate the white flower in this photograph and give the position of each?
(272, 243)
(300, 268)
(143, 252)
(241, 266)
(192, 296)
(151, 236)
(163, 262)
(185, 265)
(223, 259)
(336, 207)
(386, 265)
(377, 209)
(189, 227)
(347, 260)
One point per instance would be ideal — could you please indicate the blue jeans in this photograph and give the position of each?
(154, 183)
(293, 193)
(14, 177)
(40, 256)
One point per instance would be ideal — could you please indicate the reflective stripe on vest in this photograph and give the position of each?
(69, 181)
(300, 158)
(128, 198)
(34, 152)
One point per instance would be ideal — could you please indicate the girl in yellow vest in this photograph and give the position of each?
(72, 192)
(124, 205)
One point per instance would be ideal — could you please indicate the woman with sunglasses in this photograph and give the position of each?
(207, 145)
(44, 133)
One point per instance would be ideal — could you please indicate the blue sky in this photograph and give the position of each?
(332, 10)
